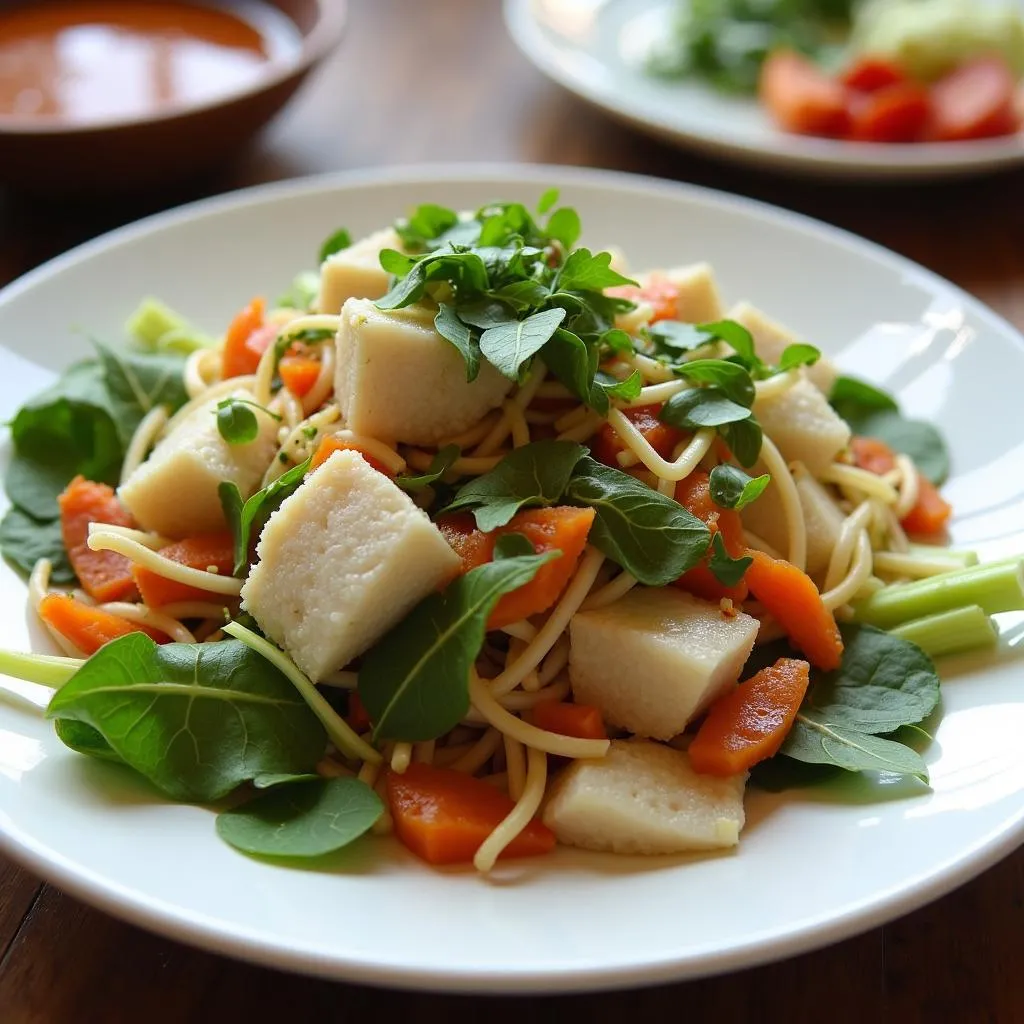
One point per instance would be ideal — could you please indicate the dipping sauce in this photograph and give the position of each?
(82, 62)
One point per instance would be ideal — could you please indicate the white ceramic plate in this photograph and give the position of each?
(813, 865)
(596, 49)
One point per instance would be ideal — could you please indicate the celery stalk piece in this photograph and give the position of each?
(994, 587)
(936, 554)
(157, 328)
(44, 669)
(952, 632)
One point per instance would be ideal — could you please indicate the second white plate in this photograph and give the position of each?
(596, 48)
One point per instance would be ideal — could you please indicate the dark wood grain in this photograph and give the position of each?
(441, 82)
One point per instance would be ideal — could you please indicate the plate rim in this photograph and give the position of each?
(809, 156)
(214, 936)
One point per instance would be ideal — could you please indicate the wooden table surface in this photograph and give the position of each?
(418, 82)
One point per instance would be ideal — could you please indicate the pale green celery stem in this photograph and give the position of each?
(936, 554)
(994, 587)
(963, 629)
(44, 669)
(340, 732)
(155, 327)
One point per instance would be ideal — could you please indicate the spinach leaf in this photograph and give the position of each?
(510, 345)
(486, 313)
(267, 780)
(427, 224)
(414, 682)
(732, 488)
(302, 819)
(54, 442)
(920, 440)
(730, 379)
(815, 740)
(572, 363)
(451, 328)
(883, 683)
(798, 354)
(197, 720)
(341, 239)
(625, 390)
(24, 540)
(702, 407)
(137, 383)
(246, 516)
(84, 739)
(741, 340)
(650, 535)
(589, 272)
(854, 399)
(672, 338)
(744, 438)
(726, 569)
(536, 474)
(439, 465)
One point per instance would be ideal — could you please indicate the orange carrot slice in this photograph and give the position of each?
(104, 575)
(659, 293)
(750, 722)
(792, 598)
(329, 445)
(694, 494)
(88, 628)
(580, 720)
(560, 528)
(212, 549)
(444, 816)
(299, 374)
(660, 436)
(246, 341)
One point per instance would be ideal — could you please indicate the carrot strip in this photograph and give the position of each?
(659, 293)
(750, 722)
(444, 816)
(245, 341)
(88, 628)
(792, 598)
(104, 575)
(580, 720)
(202, 552)
(358, 717)
(299, 374)
(329, 445)
(660, 436)
(931, 511)
(560, 528)
(694, 494)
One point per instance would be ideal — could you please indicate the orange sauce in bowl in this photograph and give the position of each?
(83, 62)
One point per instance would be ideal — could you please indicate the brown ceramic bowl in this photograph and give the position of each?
(139, 154)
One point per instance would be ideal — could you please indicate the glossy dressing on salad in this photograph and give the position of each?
(88, 61)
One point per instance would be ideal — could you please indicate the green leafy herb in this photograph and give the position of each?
(267, 780)
(197, 720)
(84, 739)
(672, 338)
(137, 383)
(341, 239)
(414, 682)
(548, 199)
(624, 390)
(726, 569)
(510, 346)
(237, 423)
(883, 684)
(302, 819)
(650, 535)
(439, 465)
(744, 438)
(702, 407)
(798, 354)
(741, 340)
(246, 516)
(589, 272)
(732, 488)
(427, 224)
(920, 440)
(536, 474)
(731, 379)
(564, 225)
(854, 399)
